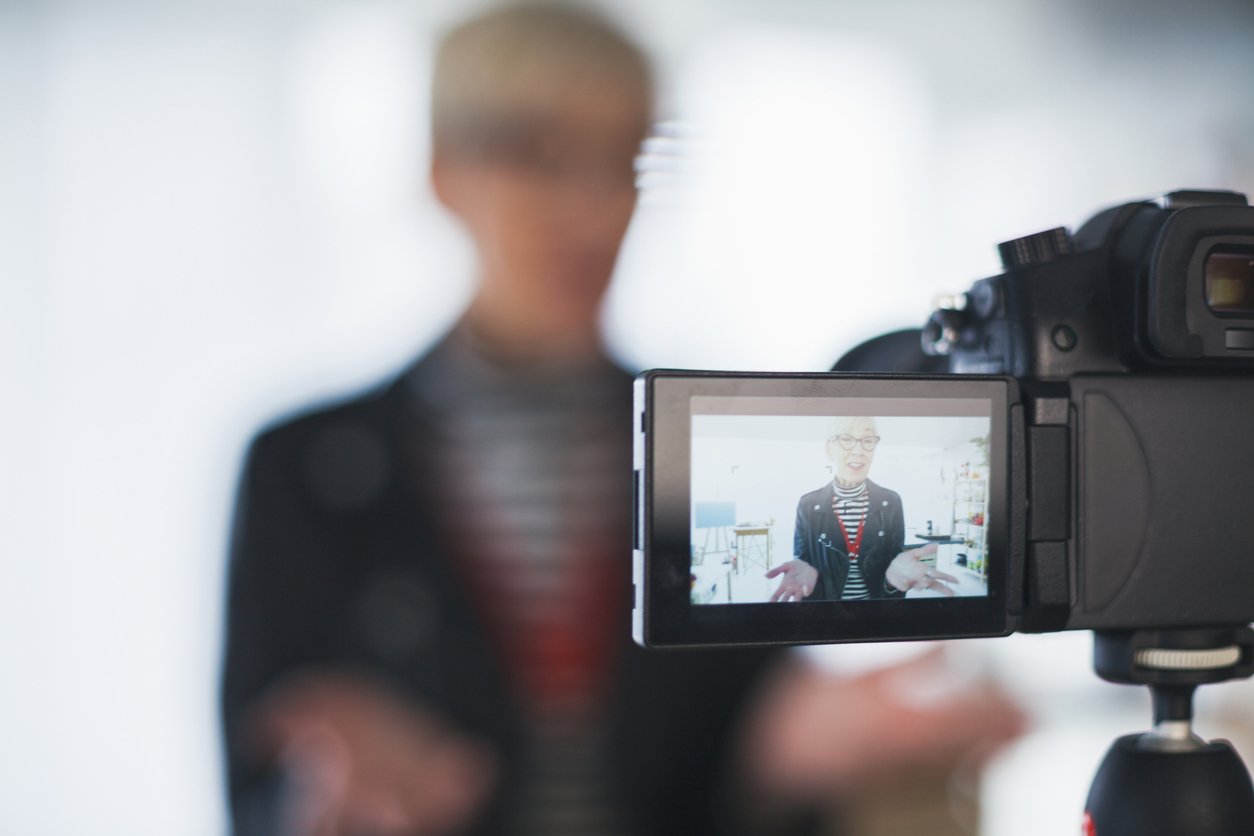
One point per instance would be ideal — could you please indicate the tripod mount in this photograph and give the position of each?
(1168, 781)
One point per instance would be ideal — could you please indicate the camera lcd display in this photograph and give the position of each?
(817, 508)
(801, 500)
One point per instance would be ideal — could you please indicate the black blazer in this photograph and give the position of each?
(818, 541)
(335, 562)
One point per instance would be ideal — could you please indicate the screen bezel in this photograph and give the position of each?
(671, 620)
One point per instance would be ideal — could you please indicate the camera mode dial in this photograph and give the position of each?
(1038, 248)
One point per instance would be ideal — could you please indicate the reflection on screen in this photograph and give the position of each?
(842, 506)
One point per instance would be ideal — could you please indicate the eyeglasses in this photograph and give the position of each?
(846, 441)
(545, 154)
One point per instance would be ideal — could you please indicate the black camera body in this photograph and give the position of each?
(1133, 344)
(1091, 425)
(1141, 287)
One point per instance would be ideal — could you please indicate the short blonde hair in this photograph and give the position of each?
(519, 58)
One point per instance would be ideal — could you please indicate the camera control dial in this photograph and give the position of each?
(942, 331)
(1038, 248)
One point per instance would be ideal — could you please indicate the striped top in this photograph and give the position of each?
(850, 506)
(532, 492)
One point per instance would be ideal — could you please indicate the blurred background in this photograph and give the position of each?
(213, 212)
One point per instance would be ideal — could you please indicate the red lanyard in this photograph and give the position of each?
(855, 547)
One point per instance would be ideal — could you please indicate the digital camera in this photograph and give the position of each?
(1086, 461)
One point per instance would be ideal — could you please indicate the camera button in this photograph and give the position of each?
(1064, 337)
(1239, 338)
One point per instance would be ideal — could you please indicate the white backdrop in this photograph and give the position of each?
(211, 212)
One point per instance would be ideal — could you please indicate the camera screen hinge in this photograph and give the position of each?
(1049, 502)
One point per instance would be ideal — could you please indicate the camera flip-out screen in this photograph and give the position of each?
(820, 508)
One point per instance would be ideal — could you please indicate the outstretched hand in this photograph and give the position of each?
(815, 735)
(363, 760)
(797, 581)
(908, 571)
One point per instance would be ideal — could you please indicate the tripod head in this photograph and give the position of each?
(1168, 781)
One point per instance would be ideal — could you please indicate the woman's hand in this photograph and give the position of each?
(799, 580)
(362, 759)
(816, 736)
(908, 571)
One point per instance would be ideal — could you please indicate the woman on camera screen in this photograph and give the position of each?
(849, 539)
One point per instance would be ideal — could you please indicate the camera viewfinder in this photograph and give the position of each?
(1229, 281)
